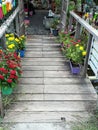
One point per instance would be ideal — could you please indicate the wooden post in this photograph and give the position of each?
(87, 56)
(21, 17)
(1, 105)
(64, 14)
(78, 30)
(17, 25)
(70, 22)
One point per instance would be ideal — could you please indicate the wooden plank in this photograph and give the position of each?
(55, 97)
(94, 53)
(93, 67)
(25, 117)
(87, 55)
(78, 30)
(94, 61)
(49, 106)
(96, 45)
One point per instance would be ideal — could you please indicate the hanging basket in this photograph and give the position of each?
(6, 90)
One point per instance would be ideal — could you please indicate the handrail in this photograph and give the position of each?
(87, 26)
(6, 24)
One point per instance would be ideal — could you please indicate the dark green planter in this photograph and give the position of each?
(6, 90)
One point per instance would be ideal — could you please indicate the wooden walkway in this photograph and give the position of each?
(48, 91)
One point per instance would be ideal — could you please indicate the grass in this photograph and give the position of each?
(91, 124)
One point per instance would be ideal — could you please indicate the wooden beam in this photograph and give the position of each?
(1, 105)
(78, 31)
(87, 56)
(70, 22)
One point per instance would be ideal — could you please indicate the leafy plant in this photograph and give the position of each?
(55, 23)
(72, 49)
(14, 43)
(10, 68)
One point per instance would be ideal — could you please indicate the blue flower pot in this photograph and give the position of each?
(75, 69)
(22, 53)
(55, 32)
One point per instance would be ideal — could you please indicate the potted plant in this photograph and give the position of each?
(21, 45)
(54, 26)
(73, 50)
(10, 70)
(15, 43)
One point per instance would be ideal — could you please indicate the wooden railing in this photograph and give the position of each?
(92, 52)
(6, 24)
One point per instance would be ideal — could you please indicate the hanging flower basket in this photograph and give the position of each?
(7, 90)
(75, 68)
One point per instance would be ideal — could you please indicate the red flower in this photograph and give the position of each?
(2, 69)
(13, 72)
(1, 77)
(9, 80)
(12, 76)
(16, 77)
(12, 66)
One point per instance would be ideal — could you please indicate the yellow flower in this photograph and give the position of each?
(6, 42)
(21, 39)
(77, 45)
(22, 36)
(84, 53)
(81, 48)
(11, 38)
(86, 15)
(16, 39)
(6, 35)
(11, 46)
(11, 34)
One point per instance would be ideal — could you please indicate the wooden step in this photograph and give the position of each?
(25, 117)
(44, 63)
(56, 97)
(55, 89)
(54, 81)
(44, 68)
(43, 59)
(52, 106)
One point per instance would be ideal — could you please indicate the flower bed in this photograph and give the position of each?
(10, 70)
(10, 67)
(74, 50)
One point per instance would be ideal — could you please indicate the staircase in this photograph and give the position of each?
(47, 91)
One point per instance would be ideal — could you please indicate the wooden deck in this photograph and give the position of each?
(47, 90)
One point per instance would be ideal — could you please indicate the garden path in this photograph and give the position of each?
(47, 91)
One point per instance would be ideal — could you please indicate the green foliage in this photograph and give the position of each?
(7, 100)
(91, 124)
(72, 49)
(55, 23)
